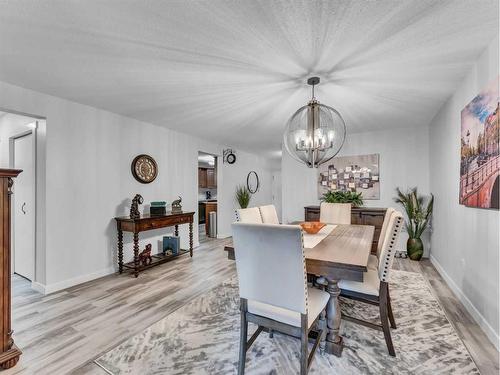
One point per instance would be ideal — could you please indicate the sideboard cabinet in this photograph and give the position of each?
(359, 215)
(9, 353)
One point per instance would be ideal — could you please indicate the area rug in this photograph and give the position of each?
(202, 337)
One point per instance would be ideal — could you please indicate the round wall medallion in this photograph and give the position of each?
(253, 182)
(144, 169)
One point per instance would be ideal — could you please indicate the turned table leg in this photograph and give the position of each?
(120, 251)
(176, 231)
(136, 254)
(334, 343)
(191, 239)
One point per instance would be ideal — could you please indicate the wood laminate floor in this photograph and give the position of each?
(64, 332)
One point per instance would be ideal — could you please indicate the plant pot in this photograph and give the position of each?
(415, 248)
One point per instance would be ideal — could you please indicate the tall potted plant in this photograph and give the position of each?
(418, 219)
(243, 196)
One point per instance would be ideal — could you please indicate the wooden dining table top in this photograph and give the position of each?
(342, 254)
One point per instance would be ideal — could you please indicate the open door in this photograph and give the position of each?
(24, 206)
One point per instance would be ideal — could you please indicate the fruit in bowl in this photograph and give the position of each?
(312, 227)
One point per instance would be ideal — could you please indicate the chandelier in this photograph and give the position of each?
(315, 133)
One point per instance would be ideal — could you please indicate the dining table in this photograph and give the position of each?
(342, 254)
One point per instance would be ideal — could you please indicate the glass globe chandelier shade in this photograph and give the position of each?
(315, 133)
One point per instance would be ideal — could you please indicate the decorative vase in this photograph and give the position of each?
(415, 248)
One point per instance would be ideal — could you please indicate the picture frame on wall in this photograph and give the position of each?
(357, 173)
(480, 150)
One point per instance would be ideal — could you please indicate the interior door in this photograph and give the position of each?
(24, 208)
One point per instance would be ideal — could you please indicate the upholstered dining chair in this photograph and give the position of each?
(374, 289)
(274, 294)
(335, 213)
(269, 214)
(249, 215)
(373, 259)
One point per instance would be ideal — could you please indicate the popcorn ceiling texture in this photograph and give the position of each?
(235, 71)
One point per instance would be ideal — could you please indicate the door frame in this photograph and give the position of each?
(12, 139)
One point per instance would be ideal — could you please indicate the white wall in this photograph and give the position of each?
(87, 156)
(465, 242)
(403, 163)
(237, 175)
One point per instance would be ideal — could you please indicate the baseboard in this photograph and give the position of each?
(476, 315)
(37, 287)
(56, 287)
(222, 236)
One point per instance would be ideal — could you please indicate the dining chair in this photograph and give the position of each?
(269, 214)
(374, 289)
(249, 215)
(274, 294)
(335, 213)
(373, 259)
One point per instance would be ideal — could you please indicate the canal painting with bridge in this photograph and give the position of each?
(480, 150)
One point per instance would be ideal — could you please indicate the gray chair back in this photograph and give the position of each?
(270, 264)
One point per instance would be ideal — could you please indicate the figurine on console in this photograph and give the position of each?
(134, 209)
(145, 257)
(176, 205)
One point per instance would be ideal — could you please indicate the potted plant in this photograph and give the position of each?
(343, 197)
(243, 196)
(418, 219)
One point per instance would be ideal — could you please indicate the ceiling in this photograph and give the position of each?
(235, 71)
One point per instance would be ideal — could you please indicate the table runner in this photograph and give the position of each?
(311, 240)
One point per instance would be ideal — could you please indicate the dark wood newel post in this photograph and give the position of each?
(9, 353)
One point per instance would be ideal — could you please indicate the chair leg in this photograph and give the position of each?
(385, 319)
(271, 333)
(303, 346)
(389, 310)
(243, 343)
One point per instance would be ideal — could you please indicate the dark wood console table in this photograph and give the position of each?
(145, 223)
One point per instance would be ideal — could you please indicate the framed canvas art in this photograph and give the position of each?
(358, 173)
(479, 150)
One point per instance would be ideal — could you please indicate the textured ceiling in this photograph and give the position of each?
(235, 71)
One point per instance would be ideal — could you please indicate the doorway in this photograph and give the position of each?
(24, 205)
(18, 139)
(207, 196)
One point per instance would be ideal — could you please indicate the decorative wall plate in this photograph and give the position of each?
(144, 169)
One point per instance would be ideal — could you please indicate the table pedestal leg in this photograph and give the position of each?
(120, 251)
(176, 231)
(334, 343)
(136, 254)
(191, 239)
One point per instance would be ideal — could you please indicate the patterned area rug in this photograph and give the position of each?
(202, 337)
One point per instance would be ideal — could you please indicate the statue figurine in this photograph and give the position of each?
(176, 205)
(145, 257)
(134, 209)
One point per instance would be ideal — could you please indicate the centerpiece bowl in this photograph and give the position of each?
(312, 227)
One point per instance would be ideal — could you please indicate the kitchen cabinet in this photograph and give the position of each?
(207, 178)
(202, 177)
(211, 178)
(209, 207)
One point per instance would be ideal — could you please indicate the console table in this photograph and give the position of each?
(151, 222)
